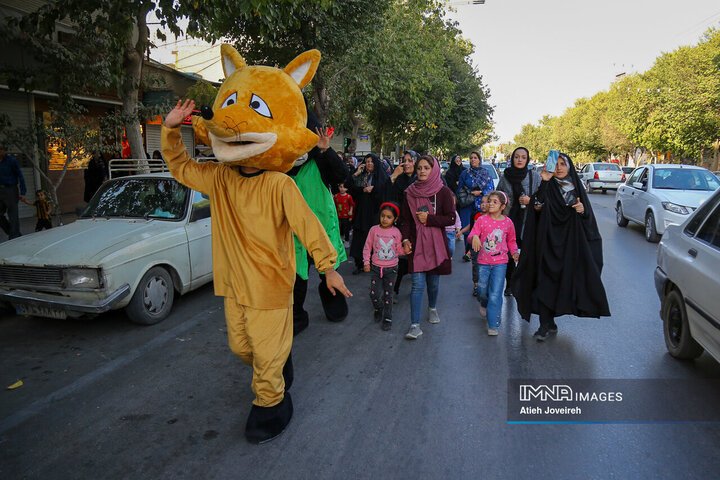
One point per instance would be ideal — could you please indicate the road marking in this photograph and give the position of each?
(39, 405)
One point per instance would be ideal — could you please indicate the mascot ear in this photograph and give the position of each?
(231, 59)
(201, 132)
(302, 69)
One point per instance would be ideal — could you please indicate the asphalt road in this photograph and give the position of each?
(108, 399)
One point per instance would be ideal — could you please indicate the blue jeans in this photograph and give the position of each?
(491, 280)
(419, 280)
(451, 242)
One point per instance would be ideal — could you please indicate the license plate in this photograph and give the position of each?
(37, 311)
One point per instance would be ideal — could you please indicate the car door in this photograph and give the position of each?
(701, 284)
(631, 201)
(199, 237)
(583, 173)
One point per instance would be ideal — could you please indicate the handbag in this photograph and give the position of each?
(465, 197)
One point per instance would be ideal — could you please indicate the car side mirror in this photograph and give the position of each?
(637, 185)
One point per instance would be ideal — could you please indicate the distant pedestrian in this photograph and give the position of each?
(157, 155)
(380, 256)
(11, 178)
(428, 208)
(473, 184)
(520, 184)
(561, 259)
(43, 209)
(453, 232)
(452, 176)
(493, 237)
(345, 206)
(95, 174)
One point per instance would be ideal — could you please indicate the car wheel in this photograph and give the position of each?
(619, 217)
(153, 298)
(651, 234)
(678, 340)
(604, 191)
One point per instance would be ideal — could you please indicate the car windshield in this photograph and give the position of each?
(491, 170)
(606, 166)
(157, 198)
(685, 179)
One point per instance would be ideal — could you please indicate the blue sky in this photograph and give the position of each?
(538, 57)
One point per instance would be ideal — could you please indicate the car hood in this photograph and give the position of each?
(83, 242)
(687, 198)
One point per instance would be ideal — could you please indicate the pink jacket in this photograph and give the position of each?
(497, 237)
(385, 244)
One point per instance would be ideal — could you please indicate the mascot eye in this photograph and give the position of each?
(259, 105)
(231, 100)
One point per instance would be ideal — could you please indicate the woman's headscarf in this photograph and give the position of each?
(378, 177)
(515, 175)
(429, 250)
(452, 176)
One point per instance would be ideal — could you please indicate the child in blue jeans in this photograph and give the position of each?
(493, 237)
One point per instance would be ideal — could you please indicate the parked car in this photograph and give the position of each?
(717, 174)
(501, 167)
(140, 240)
(687, 281)
(601, 175)
(443, 167)
(658, 196)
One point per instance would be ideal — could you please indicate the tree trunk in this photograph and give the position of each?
(135, 45)
(322, 101)
(716, 155)
(355, 123)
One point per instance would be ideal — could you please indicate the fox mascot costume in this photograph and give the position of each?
(257, 129)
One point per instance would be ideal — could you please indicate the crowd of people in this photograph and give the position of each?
(533, 236)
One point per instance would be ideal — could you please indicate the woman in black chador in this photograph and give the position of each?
(561, 258)
(369, 190)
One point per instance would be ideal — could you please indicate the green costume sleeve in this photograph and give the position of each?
(320, 201)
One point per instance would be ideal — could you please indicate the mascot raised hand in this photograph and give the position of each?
(257, 129)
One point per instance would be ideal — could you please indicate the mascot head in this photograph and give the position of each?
(259, 116)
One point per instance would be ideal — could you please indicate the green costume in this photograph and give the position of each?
(320, 201)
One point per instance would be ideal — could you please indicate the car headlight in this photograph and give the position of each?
(675, 208)
(81, 278)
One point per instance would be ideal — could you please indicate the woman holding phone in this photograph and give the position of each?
(369, 189)
(427, 209)
(561, 260)
(520, 184)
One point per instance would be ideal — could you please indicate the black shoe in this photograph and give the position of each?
(267, 423)
(466, 257)
(378, 314)
(386, 324)
(508, 293)
(553, 329)
(541, 334)
(288, 373)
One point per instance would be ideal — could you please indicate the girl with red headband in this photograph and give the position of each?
(493, 237)
(382, 248)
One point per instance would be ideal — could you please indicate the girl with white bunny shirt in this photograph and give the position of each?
(382, 248)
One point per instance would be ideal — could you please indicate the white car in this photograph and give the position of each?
(688, 283)
(602, 176)
(658, 196)
(140, 240)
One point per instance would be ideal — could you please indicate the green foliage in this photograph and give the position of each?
(673, 109)
(203, 93)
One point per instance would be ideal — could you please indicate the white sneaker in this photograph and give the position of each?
(492, 332)
(433, 315)
(414, 331)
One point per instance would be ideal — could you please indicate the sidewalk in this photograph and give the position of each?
(27, 225)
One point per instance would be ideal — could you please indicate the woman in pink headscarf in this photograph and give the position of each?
(427, 209)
